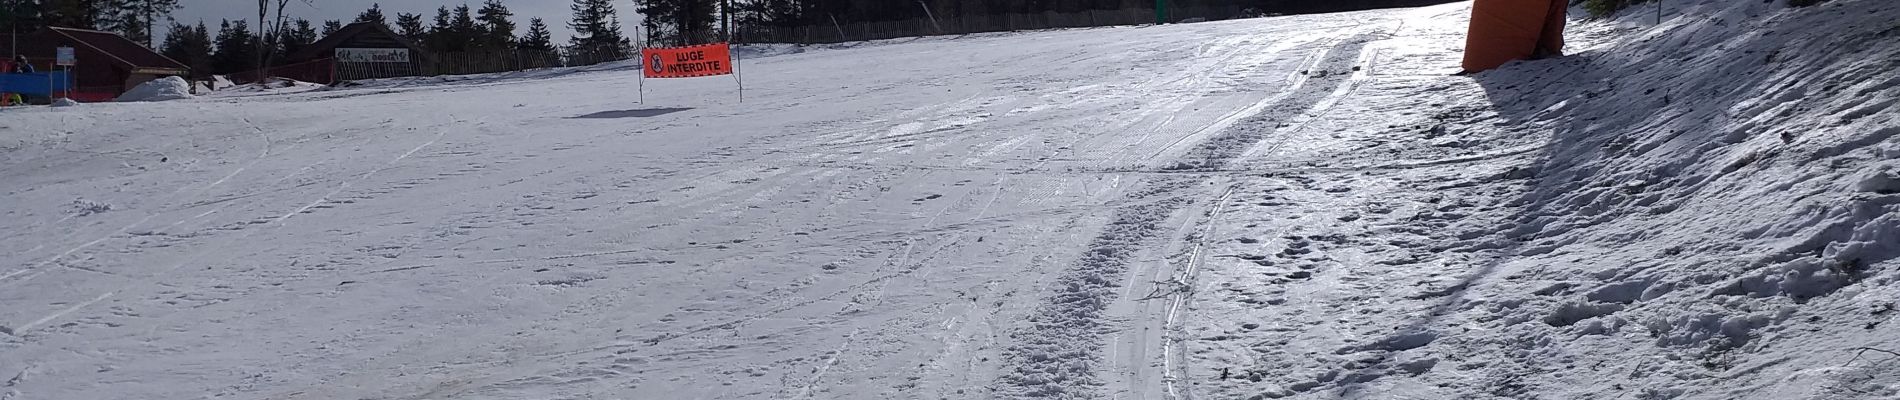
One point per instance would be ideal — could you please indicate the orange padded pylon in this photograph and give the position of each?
(1505, 30)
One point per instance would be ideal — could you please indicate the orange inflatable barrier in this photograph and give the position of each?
(1505, 30)
(686, 62)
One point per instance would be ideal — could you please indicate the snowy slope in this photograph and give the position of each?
(1304, 207)
(1704, 209)
(871, 222)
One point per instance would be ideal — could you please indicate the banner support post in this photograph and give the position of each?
(639, 35)
(739, 73)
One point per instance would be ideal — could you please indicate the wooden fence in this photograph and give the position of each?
(959, 25)
(329, 71)
(462, 63)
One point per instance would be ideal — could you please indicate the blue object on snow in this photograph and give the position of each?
(40, 84)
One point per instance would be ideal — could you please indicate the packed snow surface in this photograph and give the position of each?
(1305, 207)
(161, 89)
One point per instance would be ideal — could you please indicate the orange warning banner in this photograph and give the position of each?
(687, 62)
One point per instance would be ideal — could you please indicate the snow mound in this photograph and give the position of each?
(65, 103)
(162, 89)
(275, 85)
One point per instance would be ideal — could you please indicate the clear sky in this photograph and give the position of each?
(554, 12)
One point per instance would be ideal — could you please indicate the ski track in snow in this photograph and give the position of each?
(1302, 207)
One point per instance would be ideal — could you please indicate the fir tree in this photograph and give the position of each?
(442, 36)
(135, 19)
(463, 28)
(410, 26)
(683, 21)
(538, 37)
(299, 35)
(190, 45)
(373, 14)
(82, 14)
(538, 44)
(331, 26)
(236, 48)
(595, 24)
(22, 16)
(497, 31)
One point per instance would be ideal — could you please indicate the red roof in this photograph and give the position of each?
(117, 49)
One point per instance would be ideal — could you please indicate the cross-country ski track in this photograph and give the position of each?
(1287, 207)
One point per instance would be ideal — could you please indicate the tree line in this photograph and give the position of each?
(237, 46)
(132, 18)
(489, 28)
(686, 21)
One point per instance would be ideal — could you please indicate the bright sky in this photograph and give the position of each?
(553, 12)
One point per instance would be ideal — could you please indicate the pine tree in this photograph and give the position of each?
(127, 24)
(299, 35)
(780, 13)
(174, 46)
(538, 37)
(442, 36)
(683, 21)
(463, 28)
(21, 16)
(134, 19)
(373, 14)
(236, 48)
(497, 31)
(189, 45)
(410, 26)
(199, 50)
(82, 14)
(331, 26)
(538, 44)
(595, 24)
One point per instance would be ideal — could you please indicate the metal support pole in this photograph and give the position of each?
(840, 28)
(933, 17)
(739, 73)
(638, 35)
(13, 30)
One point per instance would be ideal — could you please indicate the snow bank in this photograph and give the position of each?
(65, 103)
(161, 89)
(1701, 209)
(1715, 190)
